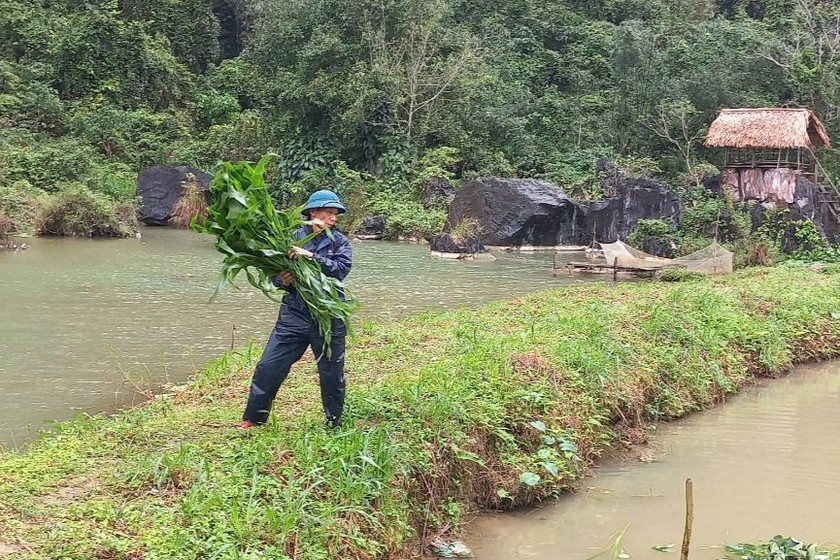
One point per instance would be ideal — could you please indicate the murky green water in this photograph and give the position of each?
(766, 463)
(84, 321)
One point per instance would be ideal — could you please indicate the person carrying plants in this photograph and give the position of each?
(296, 329)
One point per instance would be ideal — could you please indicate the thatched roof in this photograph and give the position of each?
(767, 128)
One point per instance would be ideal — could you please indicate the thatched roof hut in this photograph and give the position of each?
(776, 129)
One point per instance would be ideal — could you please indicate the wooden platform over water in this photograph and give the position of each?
(604, 268)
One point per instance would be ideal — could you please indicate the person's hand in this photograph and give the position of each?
(286, 278)
(299, 251)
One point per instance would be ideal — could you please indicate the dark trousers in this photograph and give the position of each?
(294, 332)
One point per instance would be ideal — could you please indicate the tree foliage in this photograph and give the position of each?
(539, 89)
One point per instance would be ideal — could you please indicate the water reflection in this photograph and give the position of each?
(763, 464)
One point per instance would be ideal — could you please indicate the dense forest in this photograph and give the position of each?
(372, 98)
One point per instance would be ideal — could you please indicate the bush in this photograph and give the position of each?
(117, 181)
(241, 139)
(35, 106)
(638, 167)
(576, 172)
(78, 211)
(20, 208)
(752, 251)
(191, 205)
(213, 108)
(138, 138)
(44, 163)
(649, 228)
(812, 245)
(406, 217)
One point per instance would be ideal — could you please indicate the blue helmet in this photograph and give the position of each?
(323, 199)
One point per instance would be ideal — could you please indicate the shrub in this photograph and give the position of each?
(468, 228)
(20, 207)
(638, 167)
(649, 228)
(406, 216)
(214, 108)
(240, 139)
(192, 204)
(690, 243)
(44, 163)
(137, 137)
(117, 181)
(78, 211)
(5, 231)
(812, 245)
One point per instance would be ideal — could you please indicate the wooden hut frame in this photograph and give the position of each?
(769, 138)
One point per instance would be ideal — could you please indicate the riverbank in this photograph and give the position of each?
(447, 412)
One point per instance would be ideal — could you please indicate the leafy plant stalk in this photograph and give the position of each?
(256, 238)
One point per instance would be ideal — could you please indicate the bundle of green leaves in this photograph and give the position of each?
(256, 238)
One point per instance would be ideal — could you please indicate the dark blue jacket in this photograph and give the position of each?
(334, 255)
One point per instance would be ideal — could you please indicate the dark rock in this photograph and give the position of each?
(713, 184)
(639, 199)
(159, 189)
(515, 212)
(659, 246)
(439, 193)
(463, 245)
(809, 203)
(610, 176)
(373, 227)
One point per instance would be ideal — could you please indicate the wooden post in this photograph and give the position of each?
(689, 518)
(232, 336)
(615, 269)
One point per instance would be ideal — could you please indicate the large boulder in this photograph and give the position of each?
(160, 187)
(638, 199)
(516, 212)
(373, 227)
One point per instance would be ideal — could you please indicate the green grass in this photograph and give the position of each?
(447, 412)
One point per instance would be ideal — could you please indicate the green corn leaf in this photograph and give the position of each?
(256, 238)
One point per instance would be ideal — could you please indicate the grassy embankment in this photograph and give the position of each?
(447, 411)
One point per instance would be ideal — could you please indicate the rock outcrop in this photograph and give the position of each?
(808, 202)
(636, 199)
(160, 187)
(516, 212)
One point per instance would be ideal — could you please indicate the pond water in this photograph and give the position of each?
(83, 323)
(765, 463)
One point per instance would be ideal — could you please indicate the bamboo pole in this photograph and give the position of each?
(689, 518)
